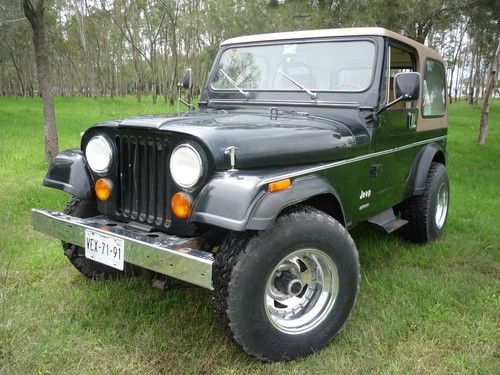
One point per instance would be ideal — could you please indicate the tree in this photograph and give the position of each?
(120, 47)
(484, 32)
(455, 56)
(34, 12)
(492, 80)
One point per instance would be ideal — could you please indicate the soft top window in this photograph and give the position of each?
(433, 91)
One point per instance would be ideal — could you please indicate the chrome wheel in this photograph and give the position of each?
(441, 205)
(301, 291)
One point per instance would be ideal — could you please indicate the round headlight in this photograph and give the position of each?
(99, 153)
(186, 167)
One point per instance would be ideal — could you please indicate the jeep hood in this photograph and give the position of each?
(262, 141)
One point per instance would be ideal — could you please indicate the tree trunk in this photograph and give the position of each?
(459, 92)
(138, 81)
(2, 78)
(471, 76)
(34, 14)
(455, 59)
(173, 83)
(18, 72)
(152, 66)
(492, 80)
(477, 78)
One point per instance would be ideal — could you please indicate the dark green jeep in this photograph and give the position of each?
(298, 137)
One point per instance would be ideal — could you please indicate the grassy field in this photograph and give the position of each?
(421, 309)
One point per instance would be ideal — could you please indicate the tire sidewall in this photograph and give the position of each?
(247, 312)
(439, 178)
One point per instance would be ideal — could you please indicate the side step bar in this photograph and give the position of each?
(169, 255)
(387, 221)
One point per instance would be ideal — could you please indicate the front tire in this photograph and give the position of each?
(286, 292)
(76, 254)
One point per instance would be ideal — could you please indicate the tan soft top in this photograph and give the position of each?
(422, 50)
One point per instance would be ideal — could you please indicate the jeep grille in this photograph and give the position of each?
(143, 181)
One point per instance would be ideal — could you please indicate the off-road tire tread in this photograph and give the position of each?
(234, 248)
(416, 211)
(75, 254)
(226, 258)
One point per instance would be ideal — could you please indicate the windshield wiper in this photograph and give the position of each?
(313, 94)
(231, 81)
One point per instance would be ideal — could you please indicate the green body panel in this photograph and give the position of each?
(397, 127)
(375, 183)
(349, 180)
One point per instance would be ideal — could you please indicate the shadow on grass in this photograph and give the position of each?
(159, 326)
(376, 249)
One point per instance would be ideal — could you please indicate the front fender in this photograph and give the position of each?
(242, 202)
(227, 200)
(69, 172)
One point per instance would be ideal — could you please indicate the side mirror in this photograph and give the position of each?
(407, 86)
(186, 81)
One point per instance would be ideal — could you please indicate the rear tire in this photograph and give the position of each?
(286, 292)
(76, 254)
(427, 213)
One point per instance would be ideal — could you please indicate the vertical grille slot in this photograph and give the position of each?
(142, 180)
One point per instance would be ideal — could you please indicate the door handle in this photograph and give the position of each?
(410, 120)
(374, 169)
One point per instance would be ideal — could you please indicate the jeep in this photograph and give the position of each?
(297, 138)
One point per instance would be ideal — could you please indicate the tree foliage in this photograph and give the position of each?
(109, 48)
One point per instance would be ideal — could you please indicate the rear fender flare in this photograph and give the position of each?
(421, 167)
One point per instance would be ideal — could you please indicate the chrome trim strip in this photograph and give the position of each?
(349, 161)
(169, 255)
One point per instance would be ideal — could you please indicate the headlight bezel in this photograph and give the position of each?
(199, 157)
(109, 152)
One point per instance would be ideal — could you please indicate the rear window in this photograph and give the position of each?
(434, 89)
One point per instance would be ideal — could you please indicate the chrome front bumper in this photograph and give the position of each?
(169, 255)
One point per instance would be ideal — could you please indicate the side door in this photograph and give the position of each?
(396, 128)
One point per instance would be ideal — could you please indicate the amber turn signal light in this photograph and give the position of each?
(279, 185)
(181, 205)
(103, 189)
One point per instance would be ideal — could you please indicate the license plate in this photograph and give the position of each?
(104, 249)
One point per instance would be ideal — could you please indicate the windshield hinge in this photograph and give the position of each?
(274, 113)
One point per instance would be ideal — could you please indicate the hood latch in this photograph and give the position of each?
(231, 151)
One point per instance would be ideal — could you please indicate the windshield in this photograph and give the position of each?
(311, 66)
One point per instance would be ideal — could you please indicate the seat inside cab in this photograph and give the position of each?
(401, 61)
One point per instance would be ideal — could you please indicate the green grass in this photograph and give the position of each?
(432, 308)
